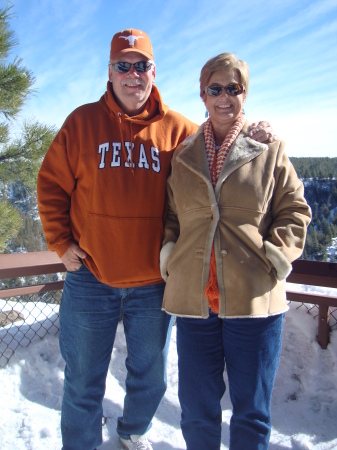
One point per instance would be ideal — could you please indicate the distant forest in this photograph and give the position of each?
(319, 176)
(322, 168)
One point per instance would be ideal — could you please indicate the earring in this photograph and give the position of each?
(206, 114)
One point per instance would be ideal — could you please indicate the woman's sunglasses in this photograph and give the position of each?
(232, 89)
(124, 67)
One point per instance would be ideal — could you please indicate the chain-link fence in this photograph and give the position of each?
(313, 310)
(25, 319)
(28, 318)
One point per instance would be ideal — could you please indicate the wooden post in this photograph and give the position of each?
(323, 325)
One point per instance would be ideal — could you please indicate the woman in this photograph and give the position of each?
(237, 219)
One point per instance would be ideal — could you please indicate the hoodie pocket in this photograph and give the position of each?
(123, 250)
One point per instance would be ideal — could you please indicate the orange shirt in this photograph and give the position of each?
(93, 190)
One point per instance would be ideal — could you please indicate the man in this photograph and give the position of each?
(101, 197)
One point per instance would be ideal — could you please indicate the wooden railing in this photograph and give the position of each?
(304, 272)
(15, 265)
(315, 273)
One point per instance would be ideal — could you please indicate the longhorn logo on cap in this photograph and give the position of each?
(131, 39)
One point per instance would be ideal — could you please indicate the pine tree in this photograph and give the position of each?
(20, 158)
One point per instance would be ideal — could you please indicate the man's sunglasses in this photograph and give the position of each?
(124, 67)
(232, 89)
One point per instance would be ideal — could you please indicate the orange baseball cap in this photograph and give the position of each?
(130, 40)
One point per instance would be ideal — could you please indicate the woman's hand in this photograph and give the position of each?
(262, 132)
(165, 253)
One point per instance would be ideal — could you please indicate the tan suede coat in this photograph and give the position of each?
(257, 217)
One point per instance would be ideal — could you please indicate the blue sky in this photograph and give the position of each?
(289, 45)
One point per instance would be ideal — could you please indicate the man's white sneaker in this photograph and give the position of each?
(136, 443)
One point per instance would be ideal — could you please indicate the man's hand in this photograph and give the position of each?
(262, 132)
(72, 257)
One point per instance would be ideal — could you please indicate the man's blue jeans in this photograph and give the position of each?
(251, 349)
(89, 315)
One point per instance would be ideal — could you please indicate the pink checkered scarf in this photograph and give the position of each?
(215, 158)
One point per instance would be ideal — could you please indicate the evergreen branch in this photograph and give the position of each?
(15, 87)
(7, 40)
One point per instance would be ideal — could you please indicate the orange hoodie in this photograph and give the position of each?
(94, 191)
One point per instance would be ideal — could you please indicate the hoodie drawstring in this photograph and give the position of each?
(129, 161)
(131, 151)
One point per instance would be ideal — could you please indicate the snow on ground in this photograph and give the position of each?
(304, 405)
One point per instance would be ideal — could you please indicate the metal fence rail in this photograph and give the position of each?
(30, 312)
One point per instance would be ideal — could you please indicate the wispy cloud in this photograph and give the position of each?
(290, 46)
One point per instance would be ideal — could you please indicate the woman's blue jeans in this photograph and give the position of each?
(89, 315)
(251, 349)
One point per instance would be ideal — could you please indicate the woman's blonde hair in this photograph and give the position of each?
(224, 62)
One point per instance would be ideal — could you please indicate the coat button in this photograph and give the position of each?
(224, 253)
